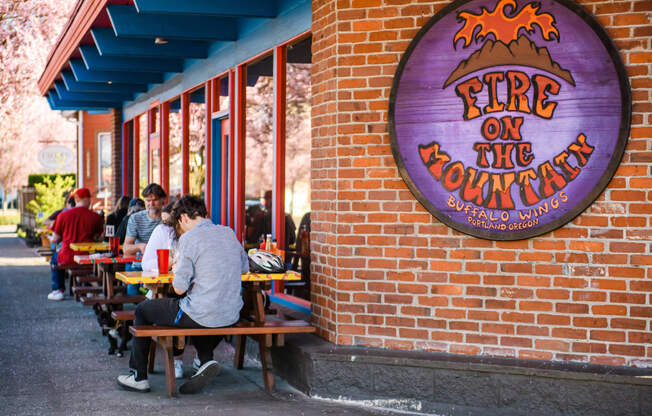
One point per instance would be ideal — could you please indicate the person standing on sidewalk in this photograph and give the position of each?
(210, 261)
(75, 225)
(140, 228)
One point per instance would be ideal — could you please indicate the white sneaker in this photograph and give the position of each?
(56, 295)
(196, 364)
(178, 369)
(205, 374)
(129, 382)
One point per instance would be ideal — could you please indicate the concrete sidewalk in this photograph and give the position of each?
(54, 361)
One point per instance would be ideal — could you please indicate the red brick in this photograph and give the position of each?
(535, 306)
(516, 342)
(614, 336)
(589, 347)
(641, 311)
(628, 323)
(483, 315)
(481, 339)
(569, 333)
(498, 328)
(549, 344)
(548, 319)
(589, 322)
(629, 350)
(463, 326)
(532, 330)
(609, 310)
(572, 308)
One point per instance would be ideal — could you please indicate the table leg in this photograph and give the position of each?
(109, 274)
(240, 347)
(266, 363)
(170, 379)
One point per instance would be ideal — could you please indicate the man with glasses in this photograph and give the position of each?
(141, 225)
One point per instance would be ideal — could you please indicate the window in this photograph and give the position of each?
(259, 149)
(104, 169)
(143, 151)
(176, 162)
(197, 143)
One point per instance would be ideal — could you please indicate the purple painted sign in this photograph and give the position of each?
(509, 118)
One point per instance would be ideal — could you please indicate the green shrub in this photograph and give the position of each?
(50, 196)
(10, 219)
(35, 178)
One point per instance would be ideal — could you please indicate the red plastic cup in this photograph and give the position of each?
(114, 242)
(163, 255)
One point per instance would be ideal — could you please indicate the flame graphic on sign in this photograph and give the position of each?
(503, 27)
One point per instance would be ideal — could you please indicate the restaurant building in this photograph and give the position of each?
(461, 261)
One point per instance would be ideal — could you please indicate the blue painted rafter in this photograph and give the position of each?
(126, 21)
(57, 103)
(108, 44)
(75, 86)
(84, 75)
(250, 8)
(64, 94)
(95, 62)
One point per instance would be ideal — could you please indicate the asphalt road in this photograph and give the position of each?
(54, 361)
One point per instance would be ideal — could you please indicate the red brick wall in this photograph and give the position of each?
(387, 274)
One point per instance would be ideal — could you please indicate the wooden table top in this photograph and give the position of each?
(155, 277)
(91, 247)
(91, 259)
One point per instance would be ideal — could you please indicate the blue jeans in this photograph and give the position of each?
(58, 276)
(133, 267)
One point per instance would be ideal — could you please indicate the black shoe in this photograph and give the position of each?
(203, 376)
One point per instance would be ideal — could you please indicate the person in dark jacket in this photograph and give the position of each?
(120, 211)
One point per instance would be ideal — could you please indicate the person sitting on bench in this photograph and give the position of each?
(209, 263)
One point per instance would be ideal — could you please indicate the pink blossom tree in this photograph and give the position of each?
(28, 30)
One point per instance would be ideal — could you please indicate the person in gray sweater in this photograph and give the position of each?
(207, 272)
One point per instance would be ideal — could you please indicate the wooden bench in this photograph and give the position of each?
(114, 300)
(80, 291)
(90, 278)
(123, 316)
(266, 334)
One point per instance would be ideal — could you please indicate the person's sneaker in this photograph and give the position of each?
(178, 369)
(56, 295)
(202, 377)
(129, 382)
(196, 364)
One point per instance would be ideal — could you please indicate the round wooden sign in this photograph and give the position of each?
(509, 118)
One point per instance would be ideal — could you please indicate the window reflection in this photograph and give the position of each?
(259, 175)
(143, 153)
(176, 164)
(197, 143)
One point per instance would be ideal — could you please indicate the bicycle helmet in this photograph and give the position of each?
(265, 262)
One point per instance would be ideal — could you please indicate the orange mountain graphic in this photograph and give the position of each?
(521, 52)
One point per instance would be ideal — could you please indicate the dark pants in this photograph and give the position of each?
(58, 276)
(164, 312)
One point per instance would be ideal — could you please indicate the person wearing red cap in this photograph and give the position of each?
(76, 225)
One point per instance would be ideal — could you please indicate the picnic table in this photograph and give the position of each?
(106, 268)
(253, 325)
(92, 247)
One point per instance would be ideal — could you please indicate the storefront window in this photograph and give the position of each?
(143, 167)
(297, 155)
(259, 174)
(176, 166)
(104, 164)
(197, 143)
